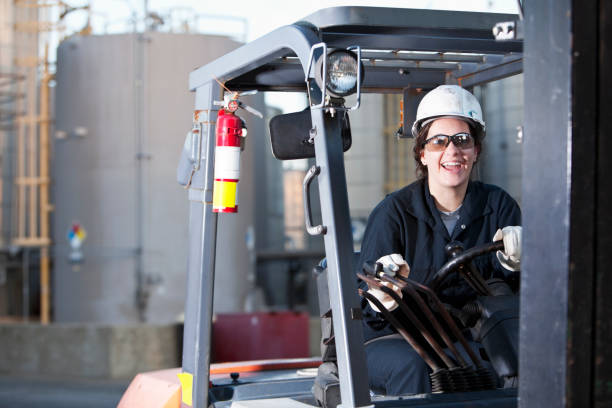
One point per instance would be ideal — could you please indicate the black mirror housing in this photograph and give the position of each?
(290, 135)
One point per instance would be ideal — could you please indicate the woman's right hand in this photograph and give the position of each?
(393, 264)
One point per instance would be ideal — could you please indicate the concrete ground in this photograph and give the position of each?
(39, 392)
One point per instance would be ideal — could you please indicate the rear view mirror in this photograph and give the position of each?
(290, 134)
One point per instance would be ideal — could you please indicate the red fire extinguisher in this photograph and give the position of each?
(230, 134)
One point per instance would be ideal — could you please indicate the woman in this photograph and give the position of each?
(408, 230)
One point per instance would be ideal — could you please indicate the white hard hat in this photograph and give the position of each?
(448, 100)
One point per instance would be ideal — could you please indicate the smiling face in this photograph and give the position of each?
(450, 168)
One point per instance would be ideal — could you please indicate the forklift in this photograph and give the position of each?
(335, 55)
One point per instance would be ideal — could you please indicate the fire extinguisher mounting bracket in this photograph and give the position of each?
(231, 103)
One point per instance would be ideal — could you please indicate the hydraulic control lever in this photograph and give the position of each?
(451, 372)
(411, 288)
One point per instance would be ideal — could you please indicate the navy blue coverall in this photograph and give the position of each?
(407, 222)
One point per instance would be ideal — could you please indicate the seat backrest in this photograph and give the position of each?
(328, 346)
(326, 387)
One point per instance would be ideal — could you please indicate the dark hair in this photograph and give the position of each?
(421, 169)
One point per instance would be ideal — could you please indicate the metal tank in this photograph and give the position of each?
(119, 231)
(503, 149)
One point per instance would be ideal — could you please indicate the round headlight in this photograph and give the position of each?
(342, 67)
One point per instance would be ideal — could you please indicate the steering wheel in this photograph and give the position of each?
(462, 260)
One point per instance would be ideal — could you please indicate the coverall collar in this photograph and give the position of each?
(473, 207)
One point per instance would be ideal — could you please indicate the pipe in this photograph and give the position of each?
(43, 185)
(32, 119)
(25, 284)
(21, 196)
(140, 121)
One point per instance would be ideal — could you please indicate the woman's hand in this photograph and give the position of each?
(510, 258)
(393, 264)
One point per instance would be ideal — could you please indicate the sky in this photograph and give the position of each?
(245, 19)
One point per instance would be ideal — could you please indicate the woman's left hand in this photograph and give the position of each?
(510, 257)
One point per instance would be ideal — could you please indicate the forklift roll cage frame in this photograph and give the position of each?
(404, 50)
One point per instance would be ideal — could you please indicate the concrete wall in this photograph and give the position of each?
(87, 351)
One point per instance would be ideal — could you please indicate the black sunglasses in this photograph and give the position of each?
(440, 142)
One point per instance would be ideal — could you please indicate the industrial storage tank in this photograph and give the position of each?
(120, 221)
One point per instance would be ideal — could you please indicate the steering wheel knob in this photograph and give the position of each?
(454, 248)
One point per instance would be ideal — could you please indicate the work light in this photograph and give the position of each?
(342, 74)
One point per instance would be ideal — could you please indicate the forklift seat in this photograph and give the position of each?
(326, 388)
